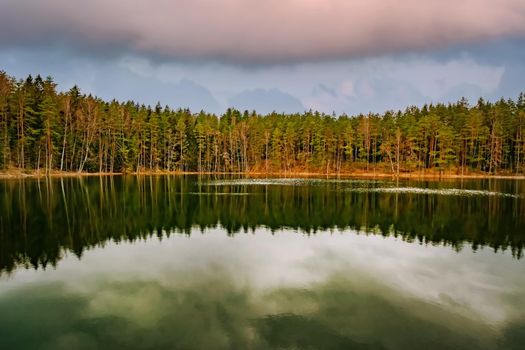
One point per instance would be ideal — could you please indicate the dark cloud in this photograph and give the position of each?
(257, 32)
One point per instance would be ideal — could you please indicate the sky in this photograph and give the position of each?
(335, 56)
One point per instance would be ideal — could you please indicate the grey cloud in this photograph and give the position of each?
(470, 91)
(108, 79)
(258, 32)
(512, 83)
(266, 101)
(369, 95)
(322, 89)
(181, 94)
(196, 97)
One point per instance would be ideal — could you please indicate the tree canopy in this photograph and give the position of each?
(43, 129)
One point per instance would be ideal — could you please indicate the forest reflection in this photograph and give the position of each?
(40, 219)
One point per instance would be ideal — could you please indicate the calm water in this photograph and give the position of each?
(221, 263)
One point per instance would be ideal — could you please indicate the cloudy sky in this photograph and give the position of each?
(347, 56)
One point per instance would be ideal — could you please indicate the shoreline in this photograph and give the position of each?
(16, 174)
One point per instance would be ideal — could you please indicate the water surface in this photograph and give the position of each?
(226, 263)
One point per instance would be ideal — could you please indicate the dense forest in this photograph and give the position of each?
(44, 130)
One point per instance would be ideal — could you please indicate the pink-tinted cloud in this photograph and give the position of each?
(259, 31)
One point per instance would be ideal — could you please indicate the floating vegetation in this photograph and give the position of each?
(436, 191)
(290, 182)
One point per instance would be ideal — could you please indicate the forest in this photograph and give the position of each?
(44, 130)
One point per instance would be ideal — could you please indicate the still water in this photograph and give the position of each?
(226, 263)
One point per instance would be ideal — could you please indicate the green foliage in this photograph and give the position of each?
(42, 128)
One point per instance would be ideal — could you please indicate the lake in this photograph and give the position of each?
(189, 262)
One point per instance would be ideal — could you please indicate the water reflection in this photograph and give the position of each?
(39, 220)
(264, 291)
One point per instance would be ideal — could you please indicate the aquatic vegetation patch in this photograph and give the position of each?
(434, 191)
(290, 182)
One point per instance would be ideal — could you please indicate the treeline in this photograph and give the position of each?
(42, 129)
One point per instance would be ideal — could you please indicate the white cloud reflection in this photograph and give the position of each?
(475, 285)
